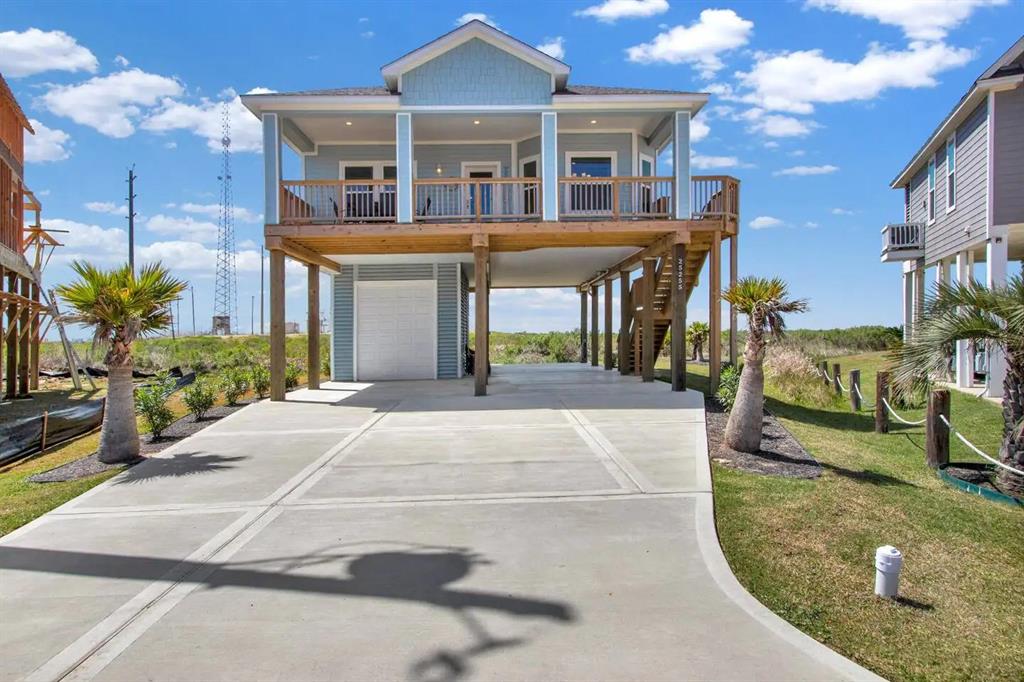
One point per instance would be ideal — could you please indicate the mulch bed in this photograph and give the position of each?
(91, 465)
(781, 454)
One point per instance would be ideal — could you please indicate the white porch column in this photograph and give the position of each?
(942, 272)
(549, 164)
(919, 290)
(404, 154)
(964, 362)
(272, 169)
(908, 301)
(995, 276)
(681, 164)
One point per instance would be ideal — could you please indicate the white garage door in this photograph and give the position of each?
(397, 330)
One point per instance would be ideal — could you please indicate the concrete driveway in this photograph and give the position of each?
(559, 529)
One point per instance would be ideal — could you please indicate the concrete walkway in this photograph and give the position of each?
(559, 529)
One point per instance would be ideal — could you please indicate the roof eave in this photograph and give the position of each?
(258, 104)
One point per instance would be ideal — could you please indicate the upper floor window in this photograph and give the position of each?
(931, 189)
(951, 173)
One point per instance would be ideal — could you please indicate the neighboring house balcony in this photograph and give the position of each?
(902, 241)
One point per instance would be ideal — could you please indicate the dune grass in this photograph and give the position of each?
(805, 548)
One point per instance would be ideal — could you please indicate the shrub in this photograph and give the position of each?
(234, 382)
(151, 403)
(199, 398)
(728, 385)
(260, 378)
(791, 374)
(291, 376)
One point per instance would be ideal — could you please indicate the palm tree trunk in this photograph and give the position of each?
(743, 431)
(700, 350)
(1011, 452)
(119, 436)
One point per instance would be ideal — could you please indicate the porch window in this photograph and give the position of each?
(931, 190)
(375, 199)
(951, 173)
(591, 197)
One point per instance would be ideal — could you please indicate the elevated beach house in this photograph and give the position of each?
(478, 165)
(963, 204)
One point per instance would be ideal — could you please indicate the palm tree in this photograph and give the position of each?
(120, 306)
(763, 301)
(697, 334)
(993, 318)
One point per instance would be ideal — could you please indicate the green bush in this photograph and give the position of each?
(291, 376)
(199, 398)
(728, 385)
(234, 382)
(260, 378)
(151, 403)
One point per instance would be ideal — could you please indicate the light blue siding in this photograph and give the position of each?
(449, 157)
(447, 321)
(476, 73)
(341, 337)
(324, 165)
(463, 317)
(529, 147)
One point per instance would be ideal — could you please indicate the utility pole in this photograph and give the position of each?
(131, 218)
(252, 315)
(192, 290)
(263, 251)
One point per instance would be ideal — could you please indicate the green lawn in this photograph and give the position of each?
(805, 548)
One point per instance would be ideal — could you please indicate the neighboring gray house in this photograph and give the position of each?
(964, 203)
(478, 165)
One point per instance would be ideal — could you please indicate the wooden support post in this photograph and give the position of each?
(625, 306)
(12, 340)
(277, 341)
(33, 358)
(715, 311)
(836, 381)
(855, 390)
(313, 326)
(678, 294)
(936, 431)
(881, 393)
(609, 358)
(647, 318)
(23, 339)
(594, 340)
(734, 246)
(481, 258)
(583, 326)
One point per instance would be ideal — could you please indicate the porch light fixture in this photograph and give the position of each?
(593, 121)
(438, 169)
(476, 123)
(348, 123)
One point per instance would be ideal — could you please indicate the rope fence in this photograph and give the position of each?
(976, 449)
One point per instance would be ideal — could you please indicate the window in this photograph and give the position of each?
(593, 195)
(951, 173)
(931, 190)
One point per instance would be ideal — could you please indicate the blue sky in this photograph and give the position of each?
(816, 106)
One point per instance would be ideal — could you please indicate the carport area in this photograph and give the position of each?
(559, 529)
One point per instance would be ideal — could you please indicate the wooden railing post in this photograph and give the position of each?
(836, 382)
(616, 187)
(936, 431)
(881, 394)
(476, 200)
(855, 390)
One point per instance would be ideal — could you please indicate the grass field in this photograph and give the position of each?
(805, 548)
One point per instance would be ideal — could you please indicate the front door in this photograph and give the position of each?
(529, 170)
(487, 193)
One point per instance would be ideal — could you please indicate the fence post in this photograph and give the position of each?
(855, 390)
(881, 394)
(936, 431)
(824, 372)
(42, 436)
(836, 381)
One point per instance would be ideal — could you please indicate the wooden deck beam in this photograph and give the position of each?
(609, 359)
(302, 254)
(481, 364)
(659, 247)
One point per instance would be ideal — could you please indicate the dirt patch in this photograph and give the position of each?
(91, 465)
(781, 454)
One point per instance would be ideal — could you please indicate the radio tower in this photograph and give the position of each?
(225, 305)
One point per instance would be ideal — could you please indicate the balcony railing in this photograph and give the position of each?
(505, 199)
(902, 241)
(478, 199)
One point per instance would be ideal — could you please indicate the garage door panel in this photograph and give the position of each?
(396, 330)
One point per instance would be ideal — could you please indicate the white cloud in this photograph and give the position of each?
(48, 144)
(186, 227)
(111, 104)
(841, 211)
(554, 47)
(367, 34)
(764, 221)
(106, 207)
(796, 81)
(826, 169)
(771, 144)
(82, 241)
(204, 120)
(122, 61)
(213, 211)
(699, 129)
(699, 44)
(476, 16)
(170, 145)
(797, 152)
(702, 162)
(611, 11)
(35, 51)
(919, 19)
(811, 224)
(776, 125)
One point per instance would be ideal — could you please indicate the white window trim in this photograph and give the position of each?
(931, 189)
(569, 156)
(357, 285)
(527, 159)
(378, 168)
(951, 141)
(639, 167)
(466, 167)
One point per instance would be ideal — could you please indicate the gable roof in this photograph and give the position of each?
(468, 31)
(6, 94)
(1009, 65)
